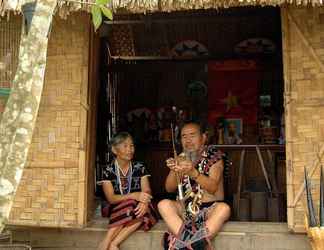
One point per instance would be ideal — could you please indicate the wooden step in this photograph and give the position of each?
(234, 236)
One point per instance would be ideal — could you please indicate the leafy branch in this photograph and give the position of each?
(98, 8)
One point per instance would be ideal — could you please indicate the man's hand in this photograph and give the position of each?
(171, 163)
(185, 167)
(141, 209)
(181, 166)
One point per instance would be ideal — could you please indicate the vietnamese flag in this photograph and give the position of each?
(233, 90)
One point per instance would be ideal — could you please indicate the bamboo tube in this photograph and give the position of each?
(315, 233)
(312, 171)
(321, 214)
(180, 191)
(311, 212)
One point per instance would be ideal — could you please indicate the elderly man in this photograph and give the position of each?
(201, 175)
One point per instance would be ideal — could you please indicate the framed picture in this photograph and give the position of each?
(233, 131)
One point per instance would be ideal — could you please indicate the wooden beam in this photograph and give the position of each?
(240, 177)
(143, 58)
(286, 40)
(263, 168)
(157, 67)
(271, 170)
(193, 17)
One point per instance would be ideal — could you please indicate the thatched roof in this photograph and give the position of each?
(174, 5)
(64, 6)
(142, 6)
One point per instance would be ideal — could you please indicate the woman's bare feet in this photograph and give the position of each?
(103, 246)
(113, 246)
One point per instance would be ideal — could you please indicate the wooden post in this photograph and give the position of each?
(288, 110)
(240, 176)
(263, 168)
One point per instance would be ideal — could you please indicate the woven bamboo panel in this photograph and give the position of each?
(47, 197)
(122, 40)
(52, 190)
(303, 46)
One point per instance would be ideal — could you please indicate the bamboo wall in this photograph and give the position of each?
(303, 49)
(52, 191)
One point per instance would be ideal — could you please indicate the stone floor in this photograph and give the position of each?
(234, 236)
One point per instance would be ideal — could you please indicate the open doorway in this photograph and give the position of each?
(223, 67)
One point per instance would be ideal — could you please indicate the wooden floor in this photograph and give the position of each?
(234, 236)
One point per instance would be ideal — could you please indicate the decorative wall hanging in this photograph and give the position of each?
(189, 49)
(255, 46)
(197, 89)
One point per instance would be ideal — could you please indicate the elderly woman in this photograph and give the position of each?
(127, 188)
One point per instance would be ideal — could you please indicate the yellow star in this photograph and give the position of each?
(231, 101)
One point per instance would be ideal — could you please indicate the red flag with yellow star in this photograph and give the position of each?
(233, 90)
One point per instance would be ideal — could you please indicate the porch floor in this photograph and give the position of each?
(234, 236)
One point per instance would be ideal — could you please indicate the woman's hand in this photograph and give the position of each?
(142, 197)
(141, 209)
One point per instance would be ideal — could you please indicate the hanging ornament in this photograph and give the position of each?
(189, 49)
(255, 46)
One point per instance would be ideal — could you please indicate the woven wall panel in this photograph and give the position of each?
(47, 197)
(122, 41)
(304, 74)
(49, 192)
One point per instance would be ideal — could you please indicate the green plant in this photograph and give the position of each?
(99, 9)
